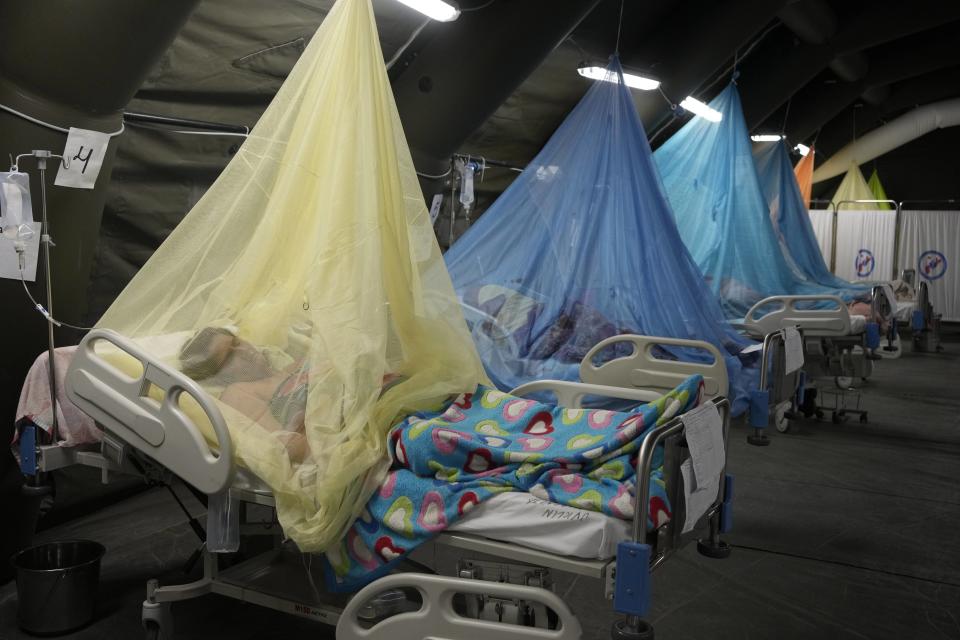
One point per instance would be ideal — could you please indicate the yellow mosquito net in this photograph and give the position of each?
(306, 291)
(854, 187)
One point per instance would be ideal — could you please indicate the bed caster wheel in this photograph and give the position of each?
(157, 620)
(819, 414)
(863, 418)
(782, 421)
(620, 631)
(719, 551)
(835, 418)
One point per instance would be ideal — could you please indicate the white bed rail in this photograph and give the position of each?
(571, 394)
(158, 428)
(813, 322)
(642, 369)
(436, 617)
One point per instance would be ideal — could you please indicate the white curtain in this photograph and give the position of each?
(822, 221)
(865, 244)
(930, 243)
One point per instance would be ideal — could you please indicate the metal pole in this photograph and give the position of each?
(45, 239)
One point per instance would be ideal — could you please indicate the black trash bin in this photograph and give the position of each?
(57, 585)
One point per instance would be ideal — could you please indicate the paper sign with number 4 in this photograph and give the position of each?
(83, 156)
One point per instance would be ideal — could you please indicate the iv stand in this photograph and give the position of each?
(47, 242)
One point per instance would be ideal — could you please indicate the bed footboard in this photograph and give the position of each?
(147, 411)
(642, 369)
(833, 322)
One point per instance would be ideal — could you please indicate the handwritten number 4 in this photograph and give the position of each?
(84, 160)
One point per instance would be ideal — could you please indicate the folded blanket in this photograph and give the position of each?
(489, 442)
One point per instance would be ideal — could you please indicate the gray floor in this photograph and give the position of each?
(842, 531)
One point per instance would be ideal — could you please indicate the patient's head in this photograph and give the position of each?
(215, 350)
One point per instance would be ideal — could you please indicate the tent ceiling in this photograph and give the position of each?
(813, 61)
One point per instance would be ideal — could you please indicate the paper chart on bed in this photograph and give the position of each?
(703, 428)
(793, 348)
(9, 262)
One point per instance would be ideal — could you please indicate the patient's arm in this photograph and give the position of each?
(253, 400)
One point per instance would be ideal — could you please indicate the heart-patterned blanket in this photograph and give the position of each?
(488, 442)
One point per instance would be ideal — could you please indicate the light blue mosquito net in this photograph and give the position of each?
(789, 215)
(712, 185)
(582, 246)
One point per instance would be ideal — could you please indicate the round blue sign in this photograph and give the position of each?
(864, 263)
(932, 265)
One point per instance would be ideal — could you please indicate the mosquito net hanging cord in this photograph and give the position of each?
(619, 27)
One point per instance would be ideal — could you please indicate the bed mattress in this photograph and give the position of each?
(520, 518)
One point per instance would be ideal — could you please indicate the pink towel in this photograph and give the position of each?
(73, 426)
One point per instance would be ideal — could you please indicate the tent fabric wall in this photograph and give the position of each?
(930, 243)
(804, 175)
(865, 244)
(711, 180)
(822, 222)
(580, 247)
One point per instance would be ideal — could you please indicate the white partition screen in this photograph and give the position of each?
(822, 221)
(930, 243)
(865, 245)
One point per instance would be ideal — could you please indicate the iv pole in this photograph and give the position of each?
(47, 242)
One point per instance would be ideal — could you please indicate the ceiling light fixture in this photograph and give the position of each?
(767, 137)
(696, 107)
(631, 79)
(802, 149)
(435, 9)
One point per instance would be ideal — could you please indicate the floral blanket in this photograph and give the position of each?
(488, 442)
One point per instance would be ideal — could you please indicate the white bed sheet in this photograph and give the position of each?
(858, 324)
(520, 518)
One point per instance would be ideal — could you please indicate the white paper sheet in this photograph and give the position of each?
(703, 428)
(9, 265)
(793, 349)
(84, 153)
(698, 499)
(753, 348)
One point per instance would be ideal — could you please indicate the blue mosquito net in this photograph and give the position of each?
(582, 246)
(790, 217)
(712, 184)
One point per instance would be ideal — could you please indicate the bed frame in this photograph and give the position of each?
(157, 439)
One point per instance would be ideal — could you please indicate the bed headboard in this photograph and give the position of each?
(152, 407)
(642, 369)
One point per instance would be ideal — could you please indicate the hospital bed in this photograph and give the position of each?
(774, 398)
(846, 345)
(499, 586)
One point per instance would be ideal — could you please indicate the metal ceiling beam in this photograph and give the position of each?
(770, 79)
(817, 105)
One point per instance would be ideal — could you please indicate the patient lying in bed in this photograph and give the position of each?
(274, 399)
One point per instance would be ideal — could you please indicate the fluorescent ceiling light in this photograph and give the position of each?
(802, 149)
(696, 107)
(633, 80)
(436, 9)
(766, 137)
